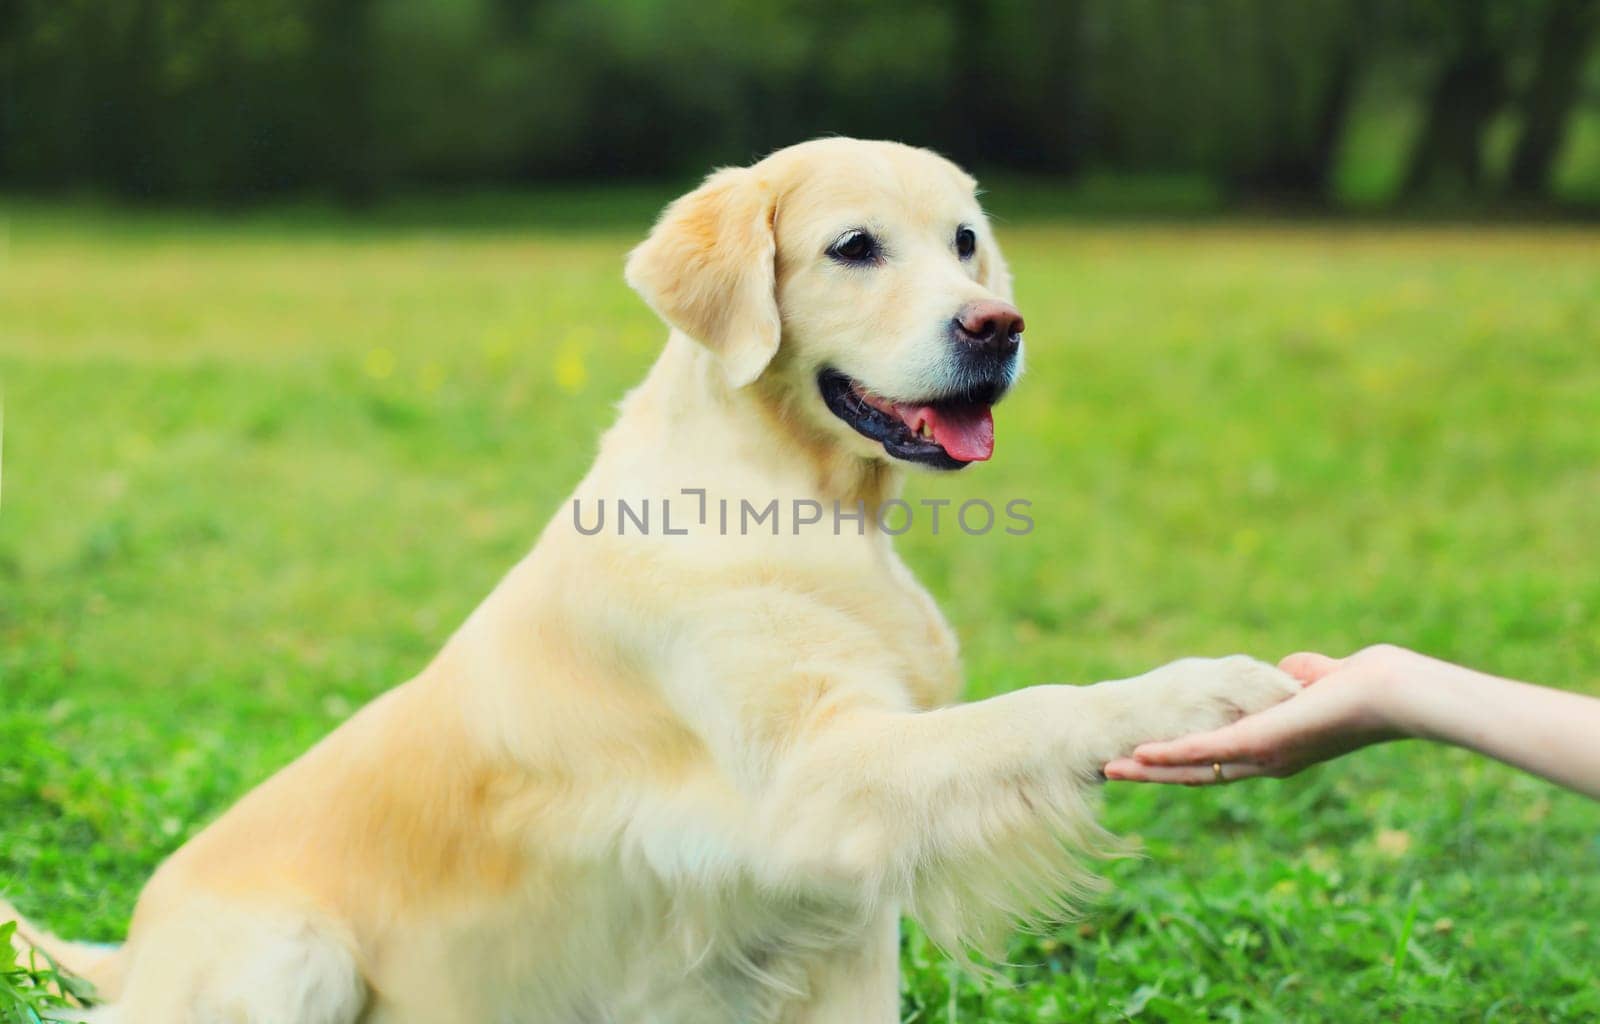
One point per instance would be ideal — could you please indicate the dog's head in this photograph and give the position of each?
(859, 283)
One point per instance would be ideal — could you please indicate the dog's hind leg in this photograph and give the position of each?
(239, 967)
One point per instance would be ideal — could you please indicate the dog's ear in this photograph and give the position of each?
(708, 270)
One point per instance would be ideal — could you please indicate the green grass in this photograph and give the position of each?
(31, 984)
(257, 469)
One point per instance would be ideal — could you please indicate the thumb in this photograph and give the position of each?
(1309, 666)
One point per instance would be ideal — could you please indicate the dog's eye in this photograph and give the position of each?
(966, 242)
(855, 247)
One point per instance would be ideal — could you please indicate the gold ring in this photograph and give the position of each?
(1216, 771)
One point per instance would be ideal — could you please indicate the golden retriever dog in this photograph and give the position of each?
(679, 766)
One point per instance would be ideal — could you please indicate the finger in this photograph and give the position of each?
(1309, 666)
(1126, 769)
(1224, 744)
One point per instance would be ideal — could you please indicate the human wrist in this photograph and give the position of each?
(1420, 698)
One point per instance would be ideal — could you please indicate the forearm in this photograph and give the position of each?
(1551, 733)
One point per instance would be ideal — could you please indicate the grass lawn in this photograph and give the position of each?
(256, 470)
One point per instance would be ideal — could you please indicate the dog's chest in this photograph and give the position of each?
(912, 630)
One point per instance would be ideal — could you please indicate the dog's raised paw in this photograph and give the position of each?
(1208, 693)
(1254, 685)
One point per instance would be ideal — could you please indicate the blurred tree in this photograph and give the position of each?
(341, 70)
(980, 124)
(231, 100)
(125, 122)
(1548, 104)
(10, 43)
(1466, 93)
(1312, 65)
(1021, 83)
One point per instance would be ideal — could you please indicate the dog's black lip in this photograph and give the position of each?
(839, 392)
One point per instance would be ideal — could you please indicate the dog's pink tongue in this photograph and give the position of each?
(965, 432)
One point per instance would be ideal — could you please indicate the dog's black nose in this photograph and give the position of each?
(990, 324)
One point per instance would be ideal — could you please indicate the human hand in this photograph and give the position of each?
(1345, 704)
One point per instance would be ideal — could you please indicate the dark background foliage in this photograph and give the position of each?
(233, 100)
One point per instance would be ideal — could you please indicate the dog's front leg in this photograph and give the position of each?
(979, 814)
(1190, 695)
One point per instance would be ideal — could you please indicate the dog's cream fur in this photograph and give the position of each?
(681, 778)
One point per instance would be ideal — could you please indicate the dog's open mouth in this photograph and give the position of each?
(946, 432)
